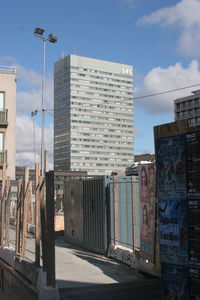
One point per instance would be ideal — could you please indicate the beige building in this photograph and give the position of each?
(8, 120)
(93, 115)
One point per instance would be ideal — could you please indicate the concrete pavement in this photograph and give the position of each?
(82, 274)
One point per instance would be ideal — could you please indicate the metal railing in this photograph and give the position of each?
(3, 157)
(8, 69)
(3, 116)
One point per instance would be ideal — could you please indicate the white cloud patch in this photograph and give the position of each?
(30, 100)
(25, 142)
(29, 84)
(185, 16)
(28, 77)
(29, 97)
(160, 79)
(130, 3)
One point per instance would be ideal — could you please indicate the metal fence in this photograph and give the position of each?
(125, 212)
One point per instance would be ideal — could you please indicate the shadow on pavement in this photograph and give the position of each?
(120, 291)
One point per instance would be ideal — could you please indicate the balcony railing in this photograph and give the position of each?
(3, 157)
(8, 69)
(3, 116)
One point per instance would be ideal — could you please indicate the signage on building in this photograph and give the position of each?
(126, 71)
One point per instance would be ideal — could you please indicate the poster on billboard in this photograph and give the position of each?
(193, 189)
(175, 284)
(172, 199)
(171, 163)
(173, 231)
(171, 176)
(147, 210)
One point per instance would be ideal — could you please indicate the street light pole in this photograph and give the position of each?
(53, 39)
(42, 109)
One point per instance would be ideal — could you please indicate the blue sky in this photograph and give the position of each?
(159, 38)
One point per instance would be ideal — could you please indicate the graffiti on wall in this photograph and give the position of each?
(123, 255)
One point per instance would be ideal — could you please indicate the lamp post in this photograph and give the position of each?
(34, 113)
(38, 32)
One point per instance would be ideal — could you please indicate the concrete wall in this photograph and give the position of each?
(20, 279)
(13, 286)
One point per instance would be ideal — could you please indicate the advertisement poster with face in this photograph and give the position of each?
(147, 210)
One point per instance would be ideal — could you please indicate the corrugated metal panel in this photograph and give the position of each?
(121, 206)
(94, 218)
(73, 211)
(136, 213)
(125, 221)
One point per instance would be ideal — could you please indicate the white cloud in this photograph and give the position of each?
(30, 99)
(28, 77)
(185, 16)
(29, 83)
(130, 3)
(25, 142)
(8, 60)
(160, 79)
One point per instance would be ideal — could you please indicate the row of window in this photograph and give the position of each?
(99, 153)
(103, 159)
(103, 135)
(98, 94)
(118, 142)
(102, 130)
(97, 172)
(92, 112)
(99, 82)
(102, 107)
(99, 72)
(188, 113)
(100, 147)
(100, 117)
(121, 103)
(74, 86)
(101, 124)
(99, 165)
(194, 121)
(188, 103)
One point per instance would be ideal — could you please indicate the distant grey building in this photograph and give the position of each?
(93, 115)
(188, 108)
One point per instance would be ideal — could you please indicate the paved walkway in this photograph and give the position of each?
(78, 267)
(82, 274)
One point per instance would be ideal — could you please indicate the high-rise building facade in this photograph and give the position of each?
(188, 108)
(7, 120)
(93, 115)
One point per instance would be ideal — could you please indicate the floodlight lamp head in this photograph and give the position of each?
(39, 31)
(52, 38)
